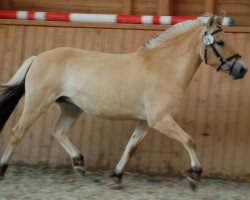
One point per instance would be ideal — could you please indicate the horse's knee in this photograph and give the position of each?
(58, 135)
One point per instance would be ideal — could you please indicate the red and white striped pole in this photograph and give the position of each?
(102, 18)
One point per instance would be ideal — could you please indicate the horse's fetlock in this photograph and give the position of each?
(78, 160)
(117, 177)
(195, 173)
(79, 165)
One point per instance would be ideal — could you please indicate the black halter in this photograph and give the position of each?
(216, 53)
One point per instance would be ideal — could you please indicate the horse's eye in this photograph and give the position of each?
(220, 43)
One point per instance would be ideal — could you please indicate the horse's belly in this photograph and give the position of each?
(111, 109)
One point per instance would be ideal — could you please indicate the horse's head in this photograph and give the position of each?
(217, 51)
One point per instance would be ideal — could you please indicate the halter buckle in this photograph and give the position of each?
(209, 41)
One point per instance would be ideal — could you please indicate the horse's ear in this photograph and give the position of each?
(218, 20)
(210, 21)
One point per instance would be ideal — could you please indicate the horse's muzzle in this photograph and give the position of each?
(238, 71)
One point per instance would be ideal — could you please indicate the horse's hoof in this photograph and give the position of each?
(1, 178)
(193, 184)
(194, 176)
(3, 169)
(117, 177)
(117, 186)
(79, 170)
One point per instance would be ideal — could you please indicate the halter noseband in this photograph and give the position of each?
(209, 41)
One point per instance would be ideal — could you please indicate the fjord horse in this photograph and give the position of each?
(145, 85)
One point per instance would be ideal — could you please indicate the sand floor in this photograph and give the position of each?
(43, 183)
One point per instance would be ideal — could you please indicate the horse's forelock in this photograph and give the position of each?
(215, 19)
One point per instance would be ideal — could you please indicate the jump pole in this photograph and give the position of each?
(102, 18)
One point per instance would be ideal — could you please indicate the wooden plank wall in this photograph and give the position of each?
(239, 9)
(216, 110)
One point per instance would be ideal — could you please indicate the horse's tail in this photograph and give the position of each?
(12, 91)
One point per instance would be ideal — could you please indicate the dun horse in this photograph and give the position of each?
(145, 85)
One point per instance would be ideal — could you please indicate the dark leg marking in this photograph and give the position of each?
(195, 173)
(3, 169)
(79, 165)
(194, 176)
(118, 180)
(117, 177)
(133, 150)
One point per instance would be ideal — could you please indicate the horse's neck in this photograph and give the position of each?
(181, 56)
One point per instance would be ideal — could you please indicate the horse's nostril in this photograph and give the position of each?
(243, 70)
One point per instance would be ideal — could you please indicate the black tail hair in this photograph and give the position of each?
(9, 97)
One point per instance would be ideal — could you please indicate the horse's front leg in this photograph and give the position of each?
(166, 125)
(139, 134)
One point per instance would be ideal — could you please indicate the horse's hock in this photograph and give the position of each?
(215, 112)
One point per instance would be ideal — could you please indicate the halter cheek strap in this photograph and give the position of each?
(209, 41)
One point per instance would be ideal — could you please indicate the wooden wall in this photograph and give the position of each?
(216, 110)
(239, 9)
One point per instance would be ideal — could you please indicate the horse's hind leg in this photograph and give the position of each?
(169, 127)
(33, 108)
(25, 122)
(138, 135)
(69, 114)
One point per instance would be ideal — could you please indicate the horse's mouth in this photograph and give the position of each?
(236, 77)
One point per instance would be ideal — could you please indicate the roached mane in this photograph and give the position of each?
(172, 32)
(180, 28)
